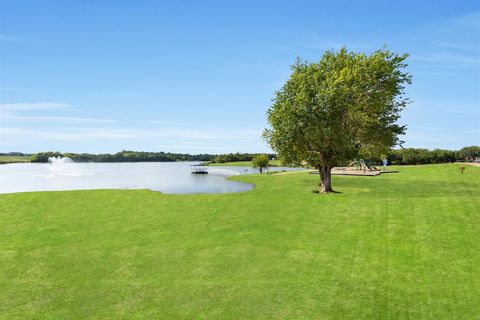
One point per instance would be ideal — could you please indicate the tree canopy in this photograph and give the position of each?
(469, 153)
(344, 106)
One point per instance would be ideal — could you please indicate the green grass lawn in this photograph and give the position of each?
(273, 163)
(14, 159)
(396, 246)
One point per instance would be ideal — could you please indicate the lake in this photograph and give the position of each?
(166, 177)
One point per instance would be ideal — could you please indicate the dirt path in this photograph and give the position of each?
(475, 164)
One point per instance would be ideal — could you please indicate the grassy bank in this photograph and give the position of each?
(273, 163)
(14, 159)
(395, 246)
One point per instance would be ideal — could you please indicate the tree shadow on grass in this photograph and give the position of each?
(316, 191)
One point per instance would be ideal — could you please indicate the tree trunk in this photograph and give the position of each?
(325, 179)
(260, 169)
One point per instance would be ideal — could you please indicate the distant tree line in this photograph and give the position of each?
(124, 156)
(413, 156)
(139, 156)
(233, 157)
(405, 156)
(14, 154)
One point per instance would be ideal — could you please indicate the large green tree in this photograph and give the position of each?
(342, 107)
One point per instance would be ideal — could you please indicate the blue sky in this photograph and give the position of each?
(198, 76)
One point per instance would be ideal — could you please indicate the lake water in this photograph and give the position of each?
(167, 177)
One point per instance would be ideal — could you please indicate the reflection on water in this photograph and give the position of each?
(167, 177)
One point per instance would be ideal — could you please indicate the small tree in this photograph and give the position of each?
(343, 107)
(260, 161)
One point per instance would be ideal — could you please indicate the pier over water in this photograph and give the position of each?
(213, 170)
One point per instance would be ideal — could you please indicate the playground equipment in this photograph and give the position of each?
(360, 167)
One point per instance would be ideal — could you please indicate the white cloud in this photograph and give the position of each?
(4, 37)
(447, 57)
(9, 133)
(440, 137)
(315, 42)
(15, 39)
(19, 113)
(50, 126)
(11, 117)
(455, 45)
(86, 134)
(5, 89)
(470, 20)
(32, 106)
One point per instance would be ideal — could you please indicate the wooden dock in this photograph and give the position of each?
(198, 170)
(214, 171)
